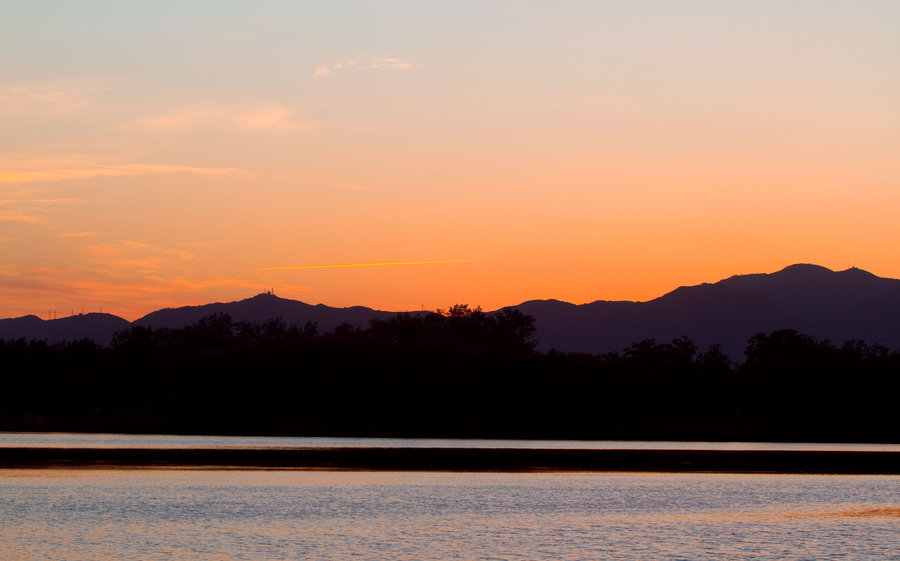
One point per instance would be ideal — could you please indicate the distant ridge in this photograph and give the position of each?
(263, 307)
(99, 328)
(838, 306)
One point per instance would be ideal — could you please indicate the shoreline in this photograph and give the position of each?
(460, 460)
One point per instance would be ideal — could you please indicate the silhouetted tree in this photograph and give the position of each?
(460, 372)
(715, 361)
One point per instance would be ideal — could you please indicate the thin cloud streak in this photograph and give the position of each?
(6, 216)
(130, 255)
(272, 117)
(372, 63)
(53, 97)
(54, 202)
(376, 264)
(113, 170)
(126, 293)
(216, 282)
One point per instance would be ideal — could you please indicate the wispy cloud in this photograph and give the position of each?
(374, 264)
(13, 216)
(55, 98)
(272, 117)
(214, 282)
(18, 281)
(100, 170)
(369, 63)
(53, 202)
(130, 255)
(79, 234)
(125, 292)
(28, 209)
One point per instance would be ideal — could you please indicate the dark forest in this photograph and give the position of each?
(454, 373)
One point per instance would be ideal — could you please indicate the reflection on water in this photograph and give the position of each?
(89, 440)
(229, 515)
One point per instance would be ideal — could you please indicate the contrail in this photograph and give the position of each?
(378, 264)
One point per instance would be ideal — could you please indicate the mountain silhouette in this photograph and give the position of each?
(264, 307)
(834, 305)
(97, 327)
(838, 306)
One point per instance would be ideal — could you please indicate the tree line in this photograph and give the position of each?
(458, 372)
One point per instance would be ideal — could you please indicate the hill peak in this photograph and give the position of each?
(804, 268)
(267, 296)
(860, 273)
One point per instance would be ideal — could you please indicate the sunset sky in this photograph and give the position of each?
(157, 154)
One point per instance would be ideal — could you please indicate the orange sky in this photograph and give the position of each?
(158, 154)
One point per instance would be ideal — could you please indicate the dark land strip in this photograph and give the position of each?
(458, 374)
(460, 460)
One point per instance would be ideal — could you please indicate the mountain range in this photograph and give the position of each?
(836, 305)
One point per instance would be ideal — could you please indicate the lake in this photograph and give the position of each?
(88, 514)
(234, 514)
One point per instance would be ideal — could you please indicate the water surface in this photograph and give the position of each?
(253, 515)
(99, 440)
